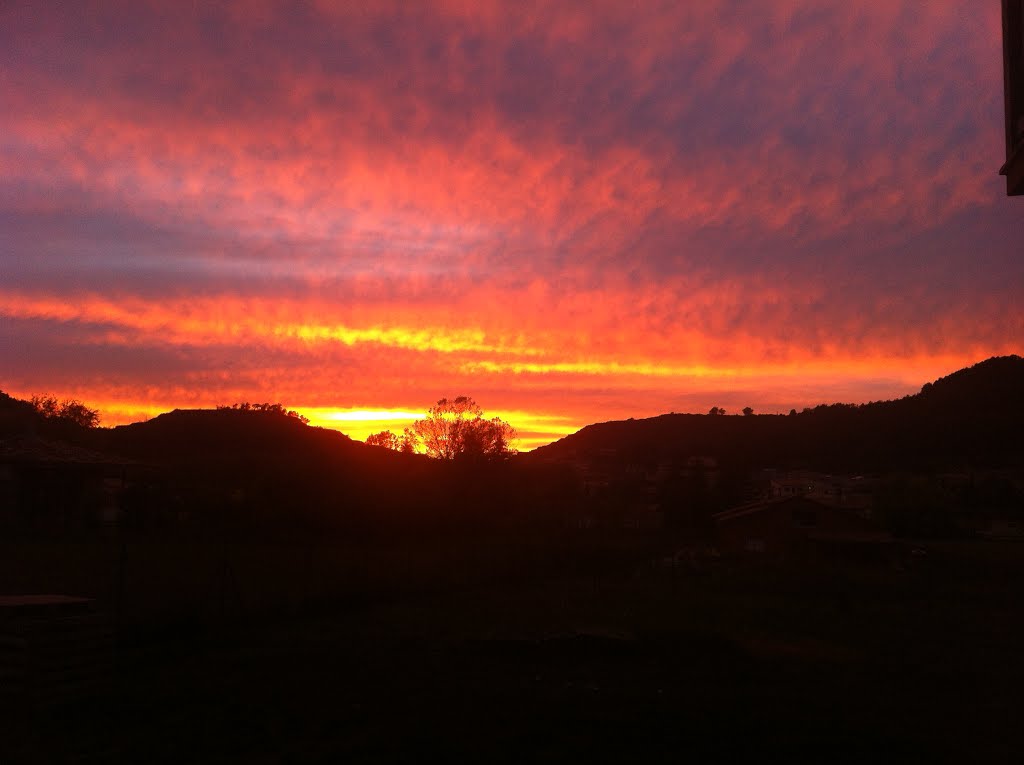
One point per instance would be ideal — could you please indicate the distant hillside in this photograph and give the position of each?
(14, 413)
(226, 435)
(997, 383)
(271, 470)
(973, 416)
(215, 436)
(274, 469)
(20, 419)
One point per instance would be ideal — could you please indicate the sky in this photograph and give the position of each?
(572, 212)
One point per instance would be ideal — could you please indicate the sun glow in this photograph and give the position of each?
(533, 429)
(361, 415)
(359, 423)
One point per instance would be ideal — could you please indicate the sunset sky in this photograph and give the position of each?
(572, 212)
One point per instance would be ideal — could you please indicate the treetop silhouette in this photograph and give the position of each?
(456, 429)
(453, 429)
(68, 411)
(389, 440)
(277, 409)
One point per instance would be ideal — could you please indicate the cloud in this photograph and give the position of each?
(523, 198)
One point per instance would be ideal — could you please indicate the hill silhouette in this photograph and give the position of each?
(972, 417)
(16, 416)
(269, 468)
(988, 385)
(186, 436)
(20, 419)
(276, 470)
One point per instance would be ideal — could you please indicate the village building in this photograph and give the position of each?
(800, 527)
(55, 486)
(852, 492)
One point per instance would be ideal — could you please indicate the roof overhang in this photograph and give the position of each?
(1013, 95)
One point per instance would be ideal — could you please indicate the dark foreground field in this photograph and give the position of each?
(392, 655)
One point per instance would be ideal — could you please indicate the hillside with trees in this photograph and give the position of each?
(266, 465)
(972, 417)
(46, 416)
(263, 465)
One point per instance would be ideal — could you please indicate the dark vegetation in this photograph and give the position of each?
(68, 419)
(950, 455)
(453, 429)
(282, 592)
(972, 417)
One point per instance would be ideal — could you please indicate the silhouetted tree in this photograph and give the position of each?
(407, 444)
(280, 409)
(747, 411)
(716, 410)
(385, 438)
(456, 428)
(68, 410)
(404, 443)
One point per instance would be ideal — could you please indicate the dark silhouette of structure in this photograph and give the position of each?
(1013, 89)
(799, 527)
(57, 486)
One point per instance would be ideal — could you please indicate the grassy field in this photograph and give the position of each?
(538, 652)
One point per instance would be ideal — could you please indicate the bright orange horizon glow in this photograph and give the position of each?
(640, 395)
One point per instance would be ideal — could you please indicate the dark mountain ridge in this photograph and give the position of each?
(194, 435)
(281, 473)
(974, 416)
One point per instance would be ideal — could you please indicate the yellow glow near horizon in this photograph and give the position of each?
(535, 429)
(361, 415)
(114, 413)
(358, 423)
(768, 387)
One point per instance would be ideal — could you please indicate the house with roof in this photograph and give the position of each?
(51, 485)
(800, 527)
(854, 492)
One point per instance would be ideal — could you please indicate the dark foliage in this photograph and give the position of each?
(273, 409)
(46, 416)
(69, 411)
(455, 429)
(972, 417)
